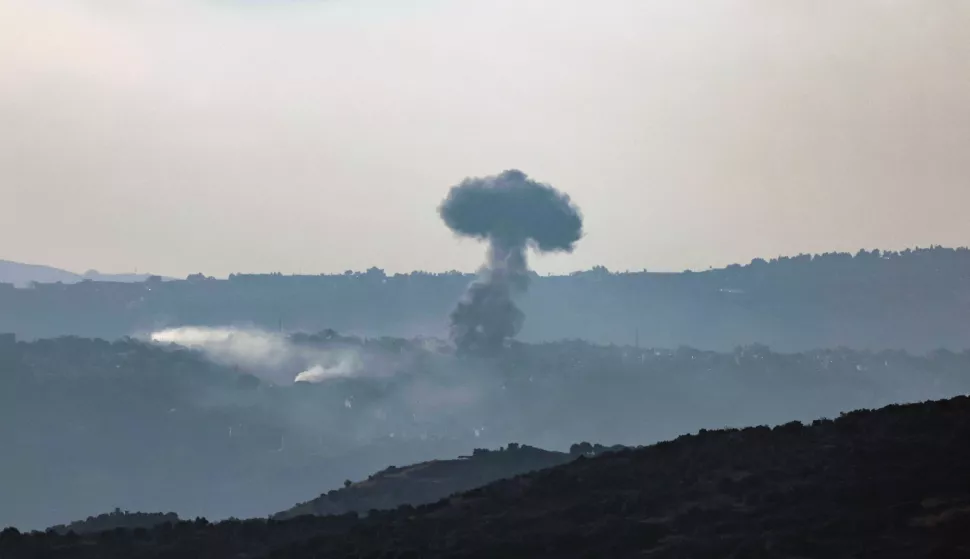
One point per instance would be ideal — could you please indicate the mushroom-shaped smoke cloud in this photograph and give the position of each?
(511, 212)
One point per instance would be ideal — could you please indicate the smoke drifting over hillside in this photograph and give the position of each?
(270, 356)
(392, 390)
(147, 427)
(512, 212)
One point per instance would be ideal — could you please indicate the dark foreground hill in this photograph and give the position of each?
(886, 483)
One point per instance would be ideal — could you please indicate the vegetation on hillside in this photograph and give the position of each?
(885, 483)
(914, 299)
(431, 481)
(89, 425)
(114, 520)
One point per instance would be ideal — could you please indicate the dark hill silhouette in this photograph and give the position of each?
(114, 520)
(885, 483)
(915, 300)
(431, 481)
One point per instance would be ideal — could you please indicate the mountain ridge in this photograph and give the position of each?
(20, 274)
(913, 300)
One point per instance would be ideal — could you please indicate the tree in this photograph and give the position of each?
(581, 449)
(10, 536)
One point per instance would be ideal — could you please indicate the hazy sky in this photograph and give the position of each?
(179, 136)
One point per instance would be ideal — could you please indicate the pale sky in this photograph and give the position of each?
(179, 136)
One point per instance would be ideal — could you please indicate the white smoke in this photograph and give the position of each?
(319, 373)
(410, 391)
(268, 355)
(249, 348)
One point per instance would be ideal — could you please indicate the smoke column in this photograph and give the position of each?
(512, 212)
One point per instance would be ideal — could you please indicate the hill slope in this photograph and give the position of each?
(914, 300)
(886, 483)
(117, 519)
(90, 425)
(428, 482)
(22, 275)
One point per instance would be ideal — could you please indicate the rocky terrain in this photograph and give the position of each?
(884, 483)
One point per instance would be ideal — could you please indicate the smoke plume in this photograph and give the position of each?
(267, 355)
(512, 212)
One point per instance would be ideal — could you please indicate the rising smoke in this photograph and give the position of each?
(512, 212)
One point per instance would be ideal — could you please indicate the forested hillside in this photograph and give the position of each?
(888, 483)
(427, 482)
(916, 300)
(90, 425)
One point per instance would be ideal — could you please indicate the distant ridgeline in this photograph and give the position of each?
(915, 299)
